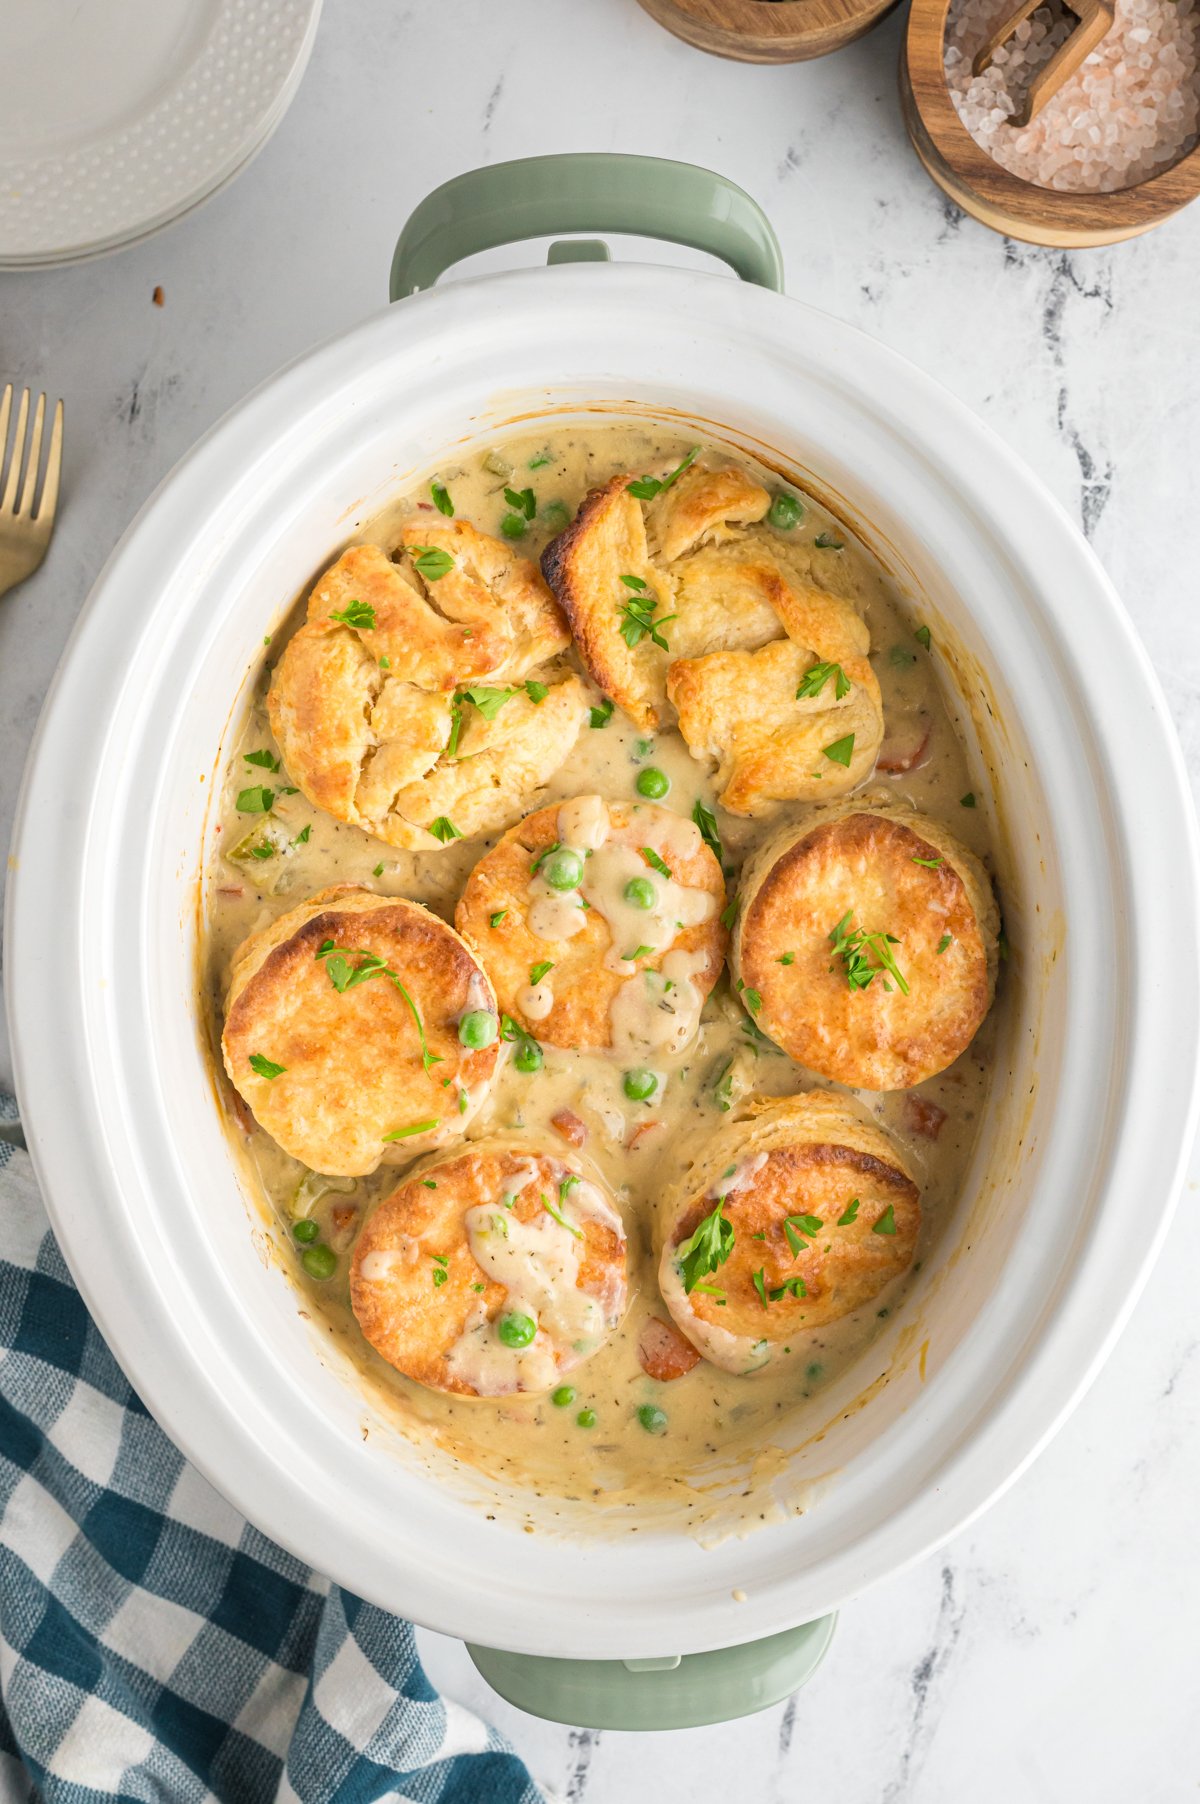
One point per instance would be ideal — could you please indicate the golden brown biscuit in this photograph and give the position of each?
(342, 1031)
(789, 1218)
(614, 974)
(797, 720)
(866, 946)
(400, 705)
(689, 599)
(493, 1270)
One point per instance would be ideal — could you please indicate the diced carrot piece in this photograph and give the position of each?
(905, 744)
(923, 1117)
(570, 1126)
(663, 1352)
(640, 1134)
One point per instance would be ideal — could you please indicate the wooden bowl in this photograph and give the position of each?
(989, 192)
(768, 31)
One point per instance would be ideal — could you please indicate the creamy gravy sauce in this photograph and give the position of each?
(717, 1423)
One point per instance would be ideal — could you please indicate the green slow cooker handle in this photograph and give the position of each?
(585, 191)
(675, 1692)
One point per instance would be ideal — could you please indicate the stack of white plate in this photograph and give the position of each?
(120, 115)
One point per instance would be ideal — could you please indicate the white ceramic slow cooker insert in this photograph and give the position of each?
(1078, 1163)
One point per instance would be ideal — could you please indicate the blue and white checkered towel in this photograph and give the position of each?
(152, 1644)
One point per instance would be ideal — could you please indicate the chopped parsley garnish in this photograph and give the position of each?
(601, 715)
(967, 801)
(795, 1287)
(706, 1249)
(841, 751)
(638, 952)
(849, 1214)
(539, 462)
(923, 636)
(752, 999)
(706, 820)
(265, 760)
(645, 488)
(931, 864)
(415, 1127)
(522, 501)
(345, 976)
(444, 829)
(638, 617)
(429, 1183)
(359, 614)
(944, 942)
(760, 1285)
(265, 1067)
(900, 657)
(887, 1221)
(538, 971)
(255, 801)
(542, 857)
(537, 692)
(302, 837)
(562, 1221)
(431, 563)
(815, 679)
(441, 499)
(723, 1087)
(495, 920)
(440, 1274)
(825, 541)
(729, 911)
(786, 958)
(655, 862)
(856, 950)
(796, 1226)
(487, 702)
(385, 663)
(462, 1102)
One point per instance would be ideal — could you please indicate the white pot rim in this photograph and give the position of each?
(96, 1152)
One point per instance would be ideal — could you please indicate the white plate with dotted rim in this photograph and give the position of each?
(117, 120)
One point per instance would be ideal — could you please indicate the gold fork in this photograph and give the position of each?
(25, 530)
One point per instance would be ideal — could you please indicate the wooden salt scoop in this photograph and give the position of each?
(1095, 21)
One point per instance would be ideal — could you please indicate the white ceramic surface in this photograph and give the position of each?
(118, 118)
(1074, 1178)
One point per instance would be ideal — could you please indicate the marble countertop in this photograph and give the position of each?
(1046, 1654)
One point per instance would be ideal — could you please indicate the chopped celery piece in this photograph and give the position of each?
(497, 465)
(312, 1187)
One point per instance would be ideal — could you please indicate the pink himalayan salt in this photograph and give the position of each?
(1132, 108)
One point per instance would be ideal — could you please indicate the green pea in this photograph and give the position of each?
(641, 892)
(528, 1056)
(652, 1419)
(652, 782)
(516, 1330)
(477, 1029)
(586, 1418)
(513, 526)
(563, 869)
(640, 1084)
(562, 1396)
(319, 1261)
(305, 1230)
(785, 512)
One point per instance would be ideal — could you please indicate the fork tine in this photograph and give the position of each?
(35, 457)
(8, 505)
(48, 500)
(5, 415)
